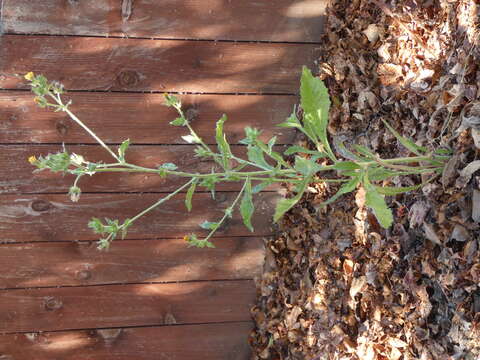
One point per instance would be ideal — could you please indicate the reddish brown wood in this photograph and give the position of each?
(279, 20)
(212, 342)
(55, 218)
(127, 261)
(83, 63)
(125, 305)
(23, 180)
(142, 118)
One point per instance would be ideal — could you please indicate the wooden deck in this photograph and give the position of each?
(149, 296)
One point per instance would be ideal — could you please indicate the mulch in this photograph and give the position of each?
(335, 284)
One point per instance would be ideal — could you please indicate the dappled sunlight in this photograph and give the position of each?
(306, 9)
(65, 342)
(170, 290)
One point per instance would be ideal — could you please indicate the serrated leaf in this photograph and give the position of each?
(246, 206)
(207, 225)
(315, 102)
(122, 149)
(286, 204)
(409, 144)
(306, 167)
(376, 201)
(222, 143)
(189, 196)
(179, 121)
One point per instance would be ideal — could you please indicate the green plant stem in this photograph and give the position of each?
(227, 211)
(161, 201)
(85, 127)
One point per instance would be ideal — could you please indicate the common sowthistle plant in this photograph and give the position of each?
(262, 167)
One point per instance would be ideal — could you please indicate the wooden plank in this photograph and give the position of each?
(281, 20)
(128, 261)
(55, 218)
(64, 308)
(142, 118)
(210, 341)
(82, 63)
(23, 180)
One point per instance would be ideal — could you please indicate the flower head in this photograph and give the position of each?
(32, 159)
(30, 76)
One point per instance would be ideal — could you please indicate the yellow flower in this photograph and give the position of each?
(30, 76)
(32, 159)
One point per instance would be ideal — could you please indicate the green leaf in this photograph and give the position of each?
(179, 121)
(255, 155)
(409, 144)
(365, 151)
(122, 149)
(251, 136)
(246, 206)
(207, 225)
(292, 121)
(189, 196)
(306, 167)
(259, 187)
(376, 201)
(344, 189)
(270, 144)
(286, 204)
(343, 151)
(391, 191)
(315, 103)
(192, 240)
(267, 149)
(222, 143)
(171, 100)
(346, 165)
(300, 149)
(96, 225)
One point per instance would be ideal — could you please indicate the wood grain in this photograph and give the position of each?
(125, 305)
(23, 180)
(56, 218)
(127, 261)
(142, 118)
(212, 341)
(83, 63)
(281, 20)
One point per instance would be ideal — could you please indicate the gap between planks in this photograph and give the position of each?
(126, 327)
(170, 39)
(124, 284)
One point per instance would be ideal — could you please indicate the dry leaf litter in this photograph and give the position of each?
(335, 284)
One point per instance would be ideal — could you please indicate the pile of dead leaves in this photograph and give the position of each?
(336, 285)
